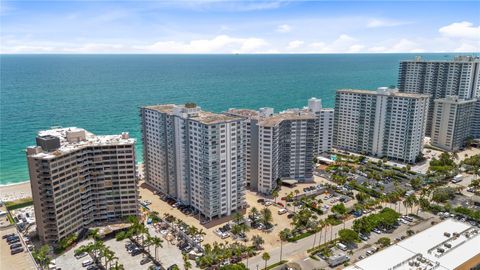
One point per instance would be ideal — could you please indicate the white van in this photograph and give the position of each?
(342, 246)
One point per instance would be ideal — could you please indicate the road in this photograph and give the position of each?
(298, 250)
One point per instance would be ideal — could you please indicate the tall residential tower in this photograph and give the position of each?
(383, 123)
(452, 122)
(439, 79)
(195, 156)
(79, 179)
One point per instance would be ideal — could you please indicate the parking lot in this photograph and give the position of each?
(21, 261)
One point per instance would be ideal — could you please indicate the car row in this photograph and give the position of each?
(13, 240)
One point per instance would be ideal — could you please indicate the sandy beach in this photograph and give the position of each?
(15, 191)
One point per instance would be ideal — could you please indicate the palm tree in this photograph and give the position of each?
(250, 252)
(156, 242)
(283, 234)
(237, 218)
(266, 216)
(265, 257)
(253, 213)
(275, 195)
(257, 241)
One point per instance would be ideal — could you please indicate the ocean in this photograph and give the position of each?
(103, 93)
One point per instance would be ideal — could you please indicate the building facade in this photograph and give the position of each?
(79, 180)
(282, 146)
(439, 79)
(475, 131)
(325, 125)
(452, 122)
(382, 123)
(196, 157)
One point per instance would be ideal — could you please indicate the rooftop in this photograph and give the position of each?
(461, 58)
(244, 112)
(193, 112)
(287, 115)
(74, 138)
(444, 246)
(383, 91)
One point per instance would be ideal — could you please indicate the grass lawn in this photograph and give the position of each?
(19, 203)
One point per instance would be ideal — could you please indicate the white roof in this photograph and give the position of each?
(424, 244)
(90, 140)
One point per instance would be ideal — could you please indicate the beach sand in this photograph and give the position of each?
(15, 191)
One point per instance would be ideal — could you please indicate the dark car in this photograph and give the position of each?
(17, 250)
(290, 215)
(13, 241)
(16, 245)
(8, 235)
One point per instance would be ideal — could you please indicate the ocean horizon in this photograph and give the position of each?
(103, 92)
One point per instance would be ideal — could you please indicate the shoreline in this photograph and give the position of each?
(14, 184)
(16, 191)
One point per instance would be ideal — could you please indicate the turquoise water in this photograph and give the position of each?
(102, 93)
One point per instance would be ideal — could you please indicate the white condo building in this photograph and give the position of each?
(196, 157)
(452, 122)
(382, 123)
(80, 180)
(282, 146)
(439, 79)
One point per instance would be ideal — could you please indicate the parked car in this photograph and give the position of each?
(81, 255)
(8, 235)
(17, 250)
(145, 261)
(377, 231)
(87, 263)
(14, 246)
(282, 211)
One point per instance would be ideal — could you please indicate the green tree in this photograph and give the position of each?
(283, 235)
(384, 241)
(265, 257)
(257, 241)
(266, 216)
(41, 256)
(348, 236)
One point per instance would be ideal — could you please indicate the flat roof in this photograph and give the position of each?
(90, 140)
(388, 93)
(197, 114)
(276, 119)
(424, 244)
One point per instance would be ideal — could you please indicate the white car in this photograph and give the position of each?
(87, 263)
(268, 203)
(282, 211)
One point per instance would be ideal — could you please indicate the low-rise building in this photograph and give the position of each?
(449, 245)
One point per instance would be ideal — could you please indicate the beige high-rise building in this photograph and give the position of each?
(80, 180)
(452, 122)
(196, 157)
(283, 145)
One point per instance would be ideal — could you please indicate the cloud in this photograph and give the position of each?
(284, 28)
(343, 44)
(219, 44)
(401, 46)
(295, 44)
(374, 23)
(463, 29)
